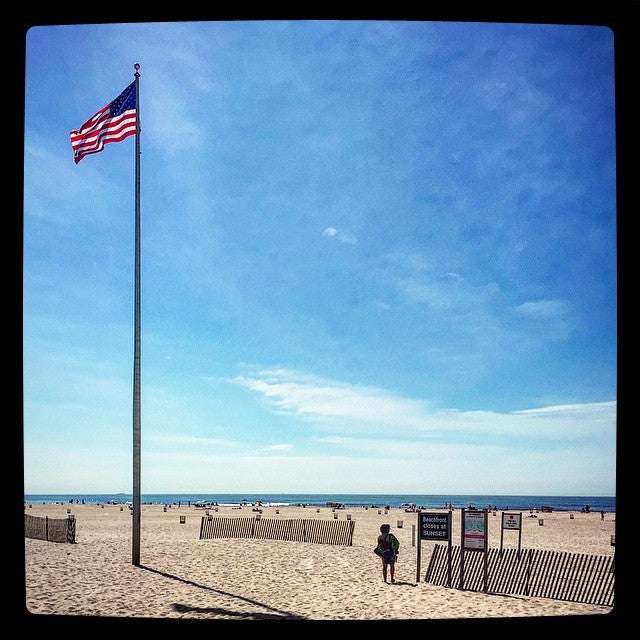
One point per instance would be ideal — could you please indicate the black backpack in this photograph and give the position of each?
(383, 545)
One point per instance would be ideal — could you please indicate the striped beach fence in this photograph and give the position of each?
(51, 529)
(575, 577)
(339, 532)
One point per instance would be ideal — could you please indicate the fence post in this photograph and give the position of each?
(71, 528)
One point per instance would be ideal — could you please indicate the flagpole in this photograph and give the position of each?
(135, 540)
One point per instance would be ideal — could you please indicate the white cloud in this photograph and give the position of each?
(332, 232)
(279, 447)
(544, 308)
(350, 409)
(179, 439)
(289, 392)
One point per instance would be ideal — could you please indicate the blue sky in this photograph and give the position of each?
(378, 256)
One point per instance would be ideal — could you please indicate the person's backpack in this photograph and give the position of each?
(388, 543)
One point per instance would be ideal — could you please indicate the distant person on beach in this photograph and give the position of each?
(388, 546)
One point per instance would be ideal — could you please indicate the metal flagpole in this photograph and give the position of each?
(135, 540)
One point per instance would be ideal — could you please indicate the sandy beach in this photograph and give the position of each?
(184, 577)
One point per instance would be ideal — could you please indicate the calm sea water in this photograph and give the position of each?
(558, 503)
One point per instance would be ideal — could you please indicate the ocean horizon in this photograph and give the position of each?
(422, 501)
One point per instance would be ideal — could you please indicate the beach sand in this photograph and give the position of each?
(181, 576)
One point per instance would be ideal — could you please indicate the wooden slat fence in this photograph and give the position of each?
(575, 577)
(338, 532)
(51, 529)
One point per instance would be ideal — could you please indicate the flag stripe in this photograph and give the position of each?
(113, 123)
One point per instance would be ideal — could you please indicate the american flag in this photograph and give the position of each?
(112, 123)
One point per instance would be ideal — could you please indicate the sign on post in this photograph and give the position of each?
(511, 521)
(474, 530)
(433, 526)
(474, 538)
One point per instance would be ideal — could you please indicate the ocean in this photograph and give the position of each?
(422, 501)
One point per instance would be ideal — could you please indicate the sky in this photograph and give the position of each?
(377, 257)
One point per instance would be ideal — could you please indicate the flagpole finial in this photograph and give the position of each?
(136, 66)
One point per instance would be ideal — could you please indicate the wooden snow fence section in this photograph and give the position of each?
(50, 529)
(338, 532)
(576, 577)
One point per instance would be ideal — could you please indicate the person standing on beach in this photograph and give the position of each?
(388, 544)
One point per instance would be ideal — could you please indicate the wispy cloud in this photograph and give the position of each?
(362, 409)
(344, 238)
(279, 448)
(543, 308)
(190, 441)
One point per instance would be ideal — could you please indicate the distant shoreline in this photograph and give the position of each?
(347, 500)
